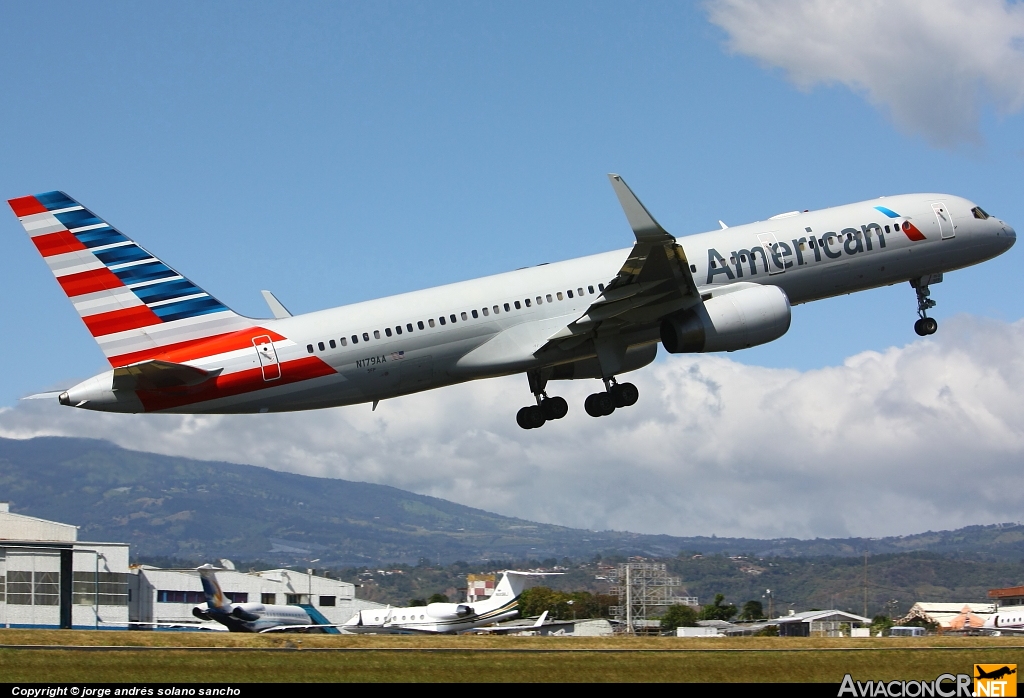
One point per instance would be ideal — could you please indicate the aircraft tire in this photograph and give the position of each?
(599, 405)
(624, 394)
(530, 417)
(555, 407)
(931, 325)
(919, 328)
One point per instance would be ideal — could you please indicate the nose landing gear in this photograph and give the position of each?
(615, 395)
(925, 325)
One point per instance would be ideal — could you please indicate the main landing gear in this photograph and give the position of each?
(925, 325)
(534, 416)
(615, 395)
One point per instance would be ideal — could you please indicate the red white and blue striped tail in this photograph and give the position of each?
(136, 306)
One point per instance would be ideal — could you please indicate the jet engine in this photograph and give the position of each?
(201, 613)
(447, 611)
(737, 320)
(248, 611)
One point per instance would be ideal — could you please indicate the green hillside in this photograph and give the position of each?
(196, 510)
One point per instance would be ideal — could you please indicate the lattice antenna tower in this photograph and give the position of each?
(645, 591)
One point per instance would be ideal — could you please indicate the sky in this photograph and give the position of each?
(337, 152)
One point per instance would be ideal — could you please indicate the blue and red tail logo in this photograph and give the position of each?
(908, 228)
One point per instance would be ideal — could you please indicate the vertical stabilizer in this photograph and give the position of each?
(135, 306)
(211, 587)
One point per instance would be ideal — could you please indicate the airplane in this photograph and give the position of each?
(1009, 620)
(450, 617)
(174, 348)
(252, 617)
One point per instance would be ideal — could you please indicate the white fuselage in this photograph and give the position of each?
(368, 352)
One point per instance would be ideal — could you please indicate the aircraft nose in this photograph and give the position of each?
(1009, 236)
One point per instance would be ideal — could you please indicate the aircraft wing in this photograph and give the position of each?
(655, 279)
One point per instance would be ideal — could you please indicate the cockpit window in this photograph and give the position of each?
(979, 213)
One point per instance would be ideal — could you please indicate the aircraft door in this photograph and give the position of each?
(268, 357)
(944, 220)
(772, 252)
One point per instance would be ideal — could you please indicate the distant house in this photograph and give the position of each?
(949, 616)
(831, 623)
(1009, 596)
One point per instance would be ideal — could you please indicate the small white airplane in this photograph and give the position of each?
(1009, 619)
(252, 617)
(450, 617)
(175, 348)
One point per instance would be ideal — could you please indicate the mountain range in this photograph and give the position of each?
(194, 510)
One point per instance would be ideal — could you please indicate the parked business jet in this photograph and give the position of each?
(175, 348)
(1009, 619)
(449, 617)
(251, 617)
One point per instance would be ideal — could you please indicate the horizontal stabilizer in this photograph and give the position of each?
(276, 307)
(159, 375)
(52, 395)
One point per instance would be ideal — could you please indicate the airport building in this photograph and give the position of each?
(50, 579)
(1008, 596)
(169, 595)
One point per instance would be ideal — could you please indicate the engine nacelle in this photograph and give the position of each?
(448, 611)
(745, 318)
(248, 611)
(201, 613)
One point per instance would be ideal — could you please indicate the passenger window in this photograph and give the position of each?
(430, 322)
(333, 345)
(507, 309)
(309, 348)
(409, 326)
(320, 345)
(549, 297)
(693, 268)
(464, 316)
(387, 331)
(591, 289)
(344, 342)
(420, 324)
(366, 336)
(518, 305)
(560, 295)
(527, 301)
(485, 311)
(540, 301)
(601, 287)
(441, 319)
(355, 339)
(398, 329)
(453, 318)
(887, 229)
(580, 291)
(497, 310)
(743, 257)
(713, 265)
(376, 334)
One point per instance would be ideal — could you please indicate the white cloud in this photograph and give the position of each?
(930, 63)
(920, 437)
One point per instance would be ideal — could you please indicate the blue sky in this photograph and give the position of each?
(336, 152)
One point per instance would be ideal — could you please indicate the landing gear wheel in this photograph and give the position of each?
(624, 394)
(530, 417)
(926, 326)
(599, 405)
(554, 407)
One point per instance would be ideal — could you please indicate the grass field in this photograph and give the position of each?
(190, 656)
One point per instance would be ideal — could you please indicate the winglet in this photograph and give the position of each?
(640, 220)
(276, 307)
(540, 621)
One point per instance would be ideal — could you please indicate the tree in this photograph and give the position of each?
(417, 602)
(752, 610)
(677, 616)
(718, 610)
(438, 598)
(881, 624)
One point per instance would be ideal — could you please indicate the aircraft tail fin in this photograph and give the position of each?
(513, 582)
(135, 306)
(215, 598)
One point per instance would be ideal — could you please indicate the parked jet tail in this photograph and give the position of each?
(135, 306)
(215, 598)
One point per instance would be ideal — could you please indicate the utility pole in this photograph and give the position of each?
(865, 583)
